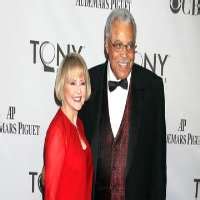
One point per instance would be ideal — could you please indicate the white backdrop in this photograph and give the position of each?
(36, 33)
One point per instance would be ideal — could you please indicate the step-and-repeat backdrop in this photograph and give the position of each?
(34, 37)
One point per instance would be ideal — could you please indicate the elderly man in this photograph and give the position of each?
(125, 120)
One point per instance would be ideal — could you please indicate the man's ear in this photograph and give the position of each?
(106, 49)
(106, 46)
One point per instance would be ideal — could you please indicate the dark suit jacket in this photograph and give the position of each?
(146, 161)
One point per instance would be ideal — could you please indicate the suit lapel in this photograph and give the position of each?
(138, 91)
(100, 84)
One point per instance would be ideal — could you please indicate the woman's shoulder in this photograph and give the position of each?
(58, 123)
(57, 120)
(55, 134)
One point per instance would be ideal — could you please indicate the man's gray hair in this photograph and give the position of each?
(122, 15)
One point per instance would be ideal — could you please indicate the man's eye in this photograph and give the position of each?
(118, 45)
(130, 46)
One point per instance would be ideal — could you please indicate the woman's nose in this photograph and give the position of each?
(78, 89)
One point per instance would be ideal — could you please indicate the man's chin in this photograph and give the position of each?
(123, 75)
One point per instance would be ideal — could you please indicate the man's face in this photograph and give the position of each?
(120, 48)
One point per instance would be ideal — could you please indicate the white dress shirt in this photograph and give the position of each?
(116, 101)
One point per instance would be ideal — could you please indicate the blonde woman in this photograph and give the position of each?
(67, 154)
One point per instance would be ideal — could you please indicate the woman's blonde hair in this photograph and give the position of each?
(72, 61)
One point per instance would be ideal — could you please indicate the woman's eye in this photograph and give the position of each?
(72, 83)
(83, 83)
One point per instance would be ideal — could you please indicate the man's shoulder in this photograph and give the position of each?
(146, 76)
(145, 72)
(98, 68)
(97, 74)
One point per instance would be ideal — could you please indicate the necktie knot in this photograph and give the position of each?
(114, 84)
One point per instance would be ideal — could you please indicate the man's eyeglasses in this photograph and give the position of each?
(118, 46)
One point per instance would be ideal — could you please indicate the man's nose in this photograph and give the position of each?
(124, 51)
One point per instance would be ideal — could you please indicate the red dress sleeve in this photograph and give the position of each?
(54, 154)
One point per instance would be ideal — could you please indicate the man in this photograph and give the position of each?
(125, 120)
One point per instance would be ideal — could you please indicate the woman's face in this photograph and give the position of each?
(74, 93)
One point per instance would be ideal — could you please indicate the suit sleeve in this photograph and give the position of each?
(54, 159)
(158, 192)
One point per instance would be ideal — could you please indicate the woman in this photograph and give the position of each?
(67, 154)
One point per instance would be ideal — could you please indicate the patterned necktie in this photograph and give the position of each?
(113, 84)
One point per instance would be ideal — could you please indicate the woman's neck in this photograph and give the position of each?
(72, 116)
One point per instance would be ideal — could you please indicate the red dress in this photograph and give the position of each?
(68, 168)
